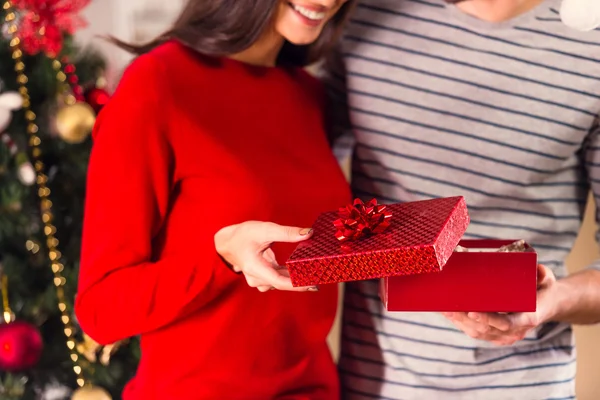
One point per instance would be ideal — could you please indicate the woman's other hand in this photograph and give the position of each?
(246, 247)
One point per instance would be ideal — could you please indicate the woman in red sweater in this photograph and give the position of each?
(214, 127)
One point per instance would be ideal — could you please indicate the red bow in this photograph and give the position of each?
(43, 23)
(359, 219)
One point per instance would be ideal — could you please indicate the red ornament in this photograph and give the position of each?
(359, 219)
(69, 68)
(43, 23)
(97, 98)
(20, 346)
(73, 80)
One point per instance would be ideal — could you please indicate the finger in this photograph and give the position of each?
(486, 333)
(478, 329)
(283, 271)
(505, 341)
(524, 321)
(236, 269)
(271, 232)
(500, 322)
(264, 289)
(462, 319)
(545, 276)
(481, 327)
(465, 323)
(269, 276)
(283, 282)
(269, 255)
(255, 282)
(454, 316)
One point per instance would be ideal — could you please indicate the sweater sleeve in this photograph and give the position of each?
(591, 154)
(123, 291)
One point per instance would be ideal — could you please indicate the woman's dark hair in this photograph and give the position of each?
(224, 27)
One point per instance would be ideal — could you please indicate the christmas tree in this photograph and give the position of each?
(50, 94)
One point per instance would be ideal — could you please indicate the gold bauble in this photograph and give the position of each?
(91, 393)
(75, 122)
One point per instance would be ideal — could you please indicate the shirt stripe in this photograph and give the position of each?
(436, 103)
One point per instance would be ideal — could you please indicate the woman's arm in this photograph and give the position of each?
(122, 291)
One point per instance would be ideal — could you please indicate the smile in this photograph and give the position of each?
(308, 13)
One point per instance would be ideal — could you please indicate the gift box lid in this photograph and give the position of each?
(421, 233)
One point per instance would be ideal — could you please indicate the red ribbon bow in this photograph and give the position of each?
(359, 220)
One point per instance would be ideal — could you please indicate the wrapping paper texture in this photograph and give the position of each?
(421, 237)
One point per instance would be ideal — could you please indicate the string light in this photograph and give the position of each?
(34, 142)
(61, 76)
(7, 312)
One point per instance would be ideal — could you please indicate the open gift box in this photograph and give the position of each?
(478, 280)
(370, 241)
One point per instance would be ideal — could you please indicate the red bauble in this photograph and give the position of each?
(97, 98)
(20, 346)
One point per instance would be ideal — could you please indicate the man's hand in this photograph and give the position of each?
(506, 329)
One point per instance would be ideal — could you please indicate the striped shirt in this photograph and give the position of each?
(505, 114)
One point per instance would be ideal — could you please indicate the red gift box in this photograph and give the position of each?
(420, 238)
(469, 282)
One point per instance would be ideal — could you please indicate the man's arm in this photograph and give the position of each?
(574, 299)
(578, 298)
(579, 294)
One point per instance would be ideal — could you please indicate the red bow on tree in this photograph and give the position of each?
(43, 23)
(359, 219)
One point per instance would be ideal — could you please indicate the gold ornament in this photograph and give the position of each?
(75, 122)
(91, 393)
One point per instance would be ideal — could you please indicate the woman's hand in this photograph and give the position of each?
(246, 247)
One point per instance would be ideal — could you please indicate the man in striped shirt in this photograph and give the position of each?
(498, 101)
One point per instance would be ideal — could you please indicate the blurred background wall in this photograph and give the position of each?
(140, 20)
(130, 20)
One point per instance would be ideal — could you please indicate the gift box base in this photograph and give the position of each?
(469, 282)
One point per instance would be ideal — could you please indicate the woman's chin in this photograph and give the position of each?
(303, 40)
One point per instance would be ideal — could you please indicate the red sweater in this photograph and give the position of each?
(185, 147)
